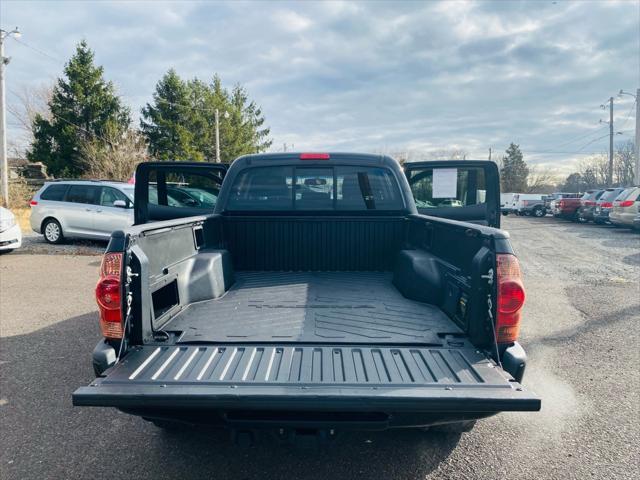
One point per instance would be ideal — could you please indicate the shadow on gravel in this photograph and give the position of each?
(633, 259)
(593, 321)
(44, 436)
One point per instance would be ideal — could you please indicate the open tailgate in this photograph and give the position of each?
(308, 377)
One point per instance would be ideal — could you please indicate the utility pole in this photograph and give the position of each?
(4, 163)
(489, 153)
(637, 137)
(610, 179)
(217, 136)
(636, 150)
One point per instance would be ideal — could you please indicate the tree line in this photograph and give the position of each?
(86, 129)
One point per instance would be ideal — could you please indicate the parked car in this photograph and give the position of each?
(625, 207)
(566, 207)
(530, 204)
(588, 204)
(636, 222)
(309, 307)
(549, 199)
(604, 205)
(10, 233)
(81, 209)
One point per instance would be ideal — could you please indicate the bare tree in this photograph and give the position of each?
(541, 180)
(594, 170)
(28, 102)
(624, 164)
(116, 158)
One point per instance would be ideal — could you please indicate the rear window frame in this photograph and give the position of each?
(334, 211)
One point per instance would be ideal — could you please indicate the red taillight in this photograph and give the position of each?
(511, 298)
(315, 156)
(626, 203)
(606, 205)
(33, 203)
(109, 297)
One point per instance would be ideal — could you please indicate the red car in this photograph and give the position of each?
(567, 208)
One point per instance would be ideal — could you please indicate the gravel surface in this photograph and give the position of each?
(580, 331)
(32, 243)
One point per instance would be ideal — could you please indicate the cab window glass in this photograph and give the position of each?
(262, 188)
(184, 189)
(455, 187)
(314, 189)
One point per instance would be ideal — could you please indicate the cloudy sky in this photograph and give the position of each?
(366, 76)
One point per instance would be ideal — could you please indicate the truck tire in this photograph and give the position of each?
(539, 212)
(458, 427)
(52, 231)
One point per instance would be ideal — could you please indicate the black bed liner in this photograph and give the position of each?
(313, 307)
(326, 377)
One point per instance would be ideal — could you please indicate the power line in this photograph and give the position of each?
(580, 137)
(629, 115)
(37, 50)
(589, 143)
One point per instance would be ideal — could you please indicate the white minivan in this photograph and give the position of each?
(81, 209)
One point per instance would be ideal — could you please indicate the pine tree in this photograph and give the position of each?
(514, 170)
(180, 124)
(84, 107)
(168, 122)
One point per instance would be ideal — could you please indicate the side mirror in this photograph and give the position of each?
(120, 204)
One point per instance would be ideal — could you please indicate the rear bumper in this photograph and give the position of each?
(602, 216)
(586, 213)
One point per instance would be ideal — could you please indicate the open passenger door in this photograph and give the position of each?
(168, 190)
(465, 190)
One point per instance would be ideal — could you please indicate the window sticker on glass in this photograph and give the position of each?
(445, 183)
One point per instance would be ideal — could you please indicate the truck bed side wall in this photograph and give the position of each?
(418, 249)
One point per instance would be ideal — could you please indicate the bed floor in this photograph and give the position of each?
(314, 307)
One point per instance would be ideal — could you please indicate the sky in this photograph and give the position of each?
(417, 77)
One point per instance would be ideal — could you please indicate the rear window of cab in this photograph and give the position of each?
(339, 188)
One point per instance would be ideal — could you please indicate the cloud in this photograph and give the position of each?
(366, 76)
(291, 21)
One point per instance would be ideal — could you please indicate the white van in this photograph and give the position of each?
(506, 203)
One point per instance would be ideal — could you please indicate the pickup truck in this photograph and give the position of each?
(314, 298)
(531, 204)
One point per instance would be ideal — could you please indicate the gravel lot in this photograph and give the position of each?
(580, 331)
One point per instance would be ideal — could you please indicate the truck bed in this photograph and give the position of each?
(313, 307)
